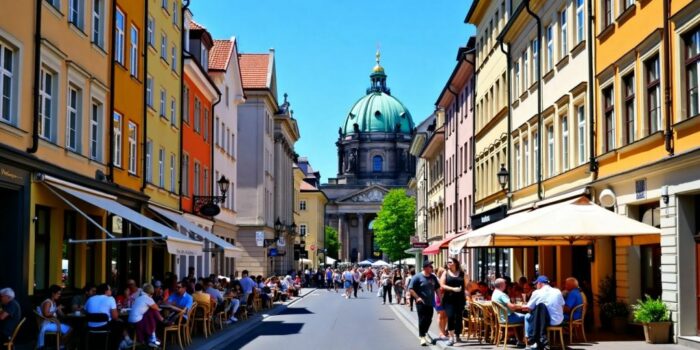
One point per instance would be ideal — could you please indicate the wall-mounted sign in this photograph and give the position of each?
(281, 242)
(117, 224)
(259, 238)
(419, 244)
(640, 188)
(12, 174)
(272, 252)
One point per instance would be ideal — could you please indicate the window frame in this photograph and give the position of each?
(608, 100)
(73, 116)
(117, 139)
(563, 33)
(120, 37)
(581, 133)
(580, 21)
(98, 23)
(149, 91)
(132, 138)
(162, 105)
(172, 172)
(134, 51)
(161, 167)
(692, 63)
(95, 126)
(173, 112)
(653, 87)
(564, 148)
(377, 163)
(549, 36)
(8, 102)
(629, 111)
(151, 30)
(551, 164)
(47, 121)
(149, 161)
(76, 8)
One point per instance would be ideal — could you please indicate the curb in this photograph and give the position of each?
(405, 315)
(232, 334)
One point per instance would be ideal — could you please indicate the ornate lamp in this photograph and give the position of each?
(207, 205)
(503, 176)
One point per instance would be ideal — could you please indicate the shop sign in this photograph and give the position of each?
(12, 174)
(259, 238)
(272, 252)
(117, 224)
(640, 187)
(420, 245)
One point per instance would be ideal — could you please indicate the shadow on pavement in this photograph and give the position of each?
(271, 328)
(296, 311)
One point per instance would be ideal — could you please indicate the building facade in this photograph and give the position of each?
(434, 156)
(311, 206)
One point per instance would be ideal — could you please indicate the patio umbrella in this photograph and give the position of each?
(380, 263)
(407, 261)
(330, 261)
(365, 263)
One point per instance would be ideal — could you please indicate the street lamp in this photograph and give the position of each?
(293, 228)
(503, 176)
(279, 227)
(207, 205)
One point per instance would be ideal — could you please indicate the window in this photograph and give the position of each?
(7, 84)
(580, 21)
(151, 28)
(164, 5)
(119, 44)
(117, 140)
(133, 153)
(607, 13)
(46, 109)
(550, 150)
(653, 94)
(95, 147)
(377, 164)
(175, 11)
(149, 91)
(164, 47)
(302, 205)
(197, 116)
(627, 3)
(73, 119)
(134, 52)
(172, 173)
(162, 103)
(628, 124)
(206, 124)
(173, 112)
(516, 168)
(526, 162)
(98, 23)
(516, 79)
(526, 68)
(161, 167)
(196, 179)
(563, 34)
(55, 3)
(185, 175)
(564, 143)
(581, 139)
(173, 58)
(204, 55)
(535, 45)
(550, 46)
(609, 113)
(535, 150)
(227, 95)
(302, 230)
(186, 105)
(75, 13)
(692, 69)
(149, 160)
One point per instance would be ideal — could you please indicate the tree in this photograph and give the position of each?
(332, 242)
(393, 226)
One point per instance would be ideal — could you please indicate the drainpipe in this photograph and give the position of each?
(185, 6)
(667, 81)
(539, 98)
(593, 163)
(510, 118)
(473, 144)
(37, 78)
(110, 169)
(145, 100)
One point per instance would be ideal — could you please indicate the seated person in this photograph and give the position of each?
(132, 292)
(180, 300)
(202, 298)
(78, 301)
(552, 299)
(573, 299)
(102, 303)
(211, 290)
(158, 293)
(145, 315)
(499, 296)
(49, 310)
(484, 290)
(234, 294)
(10, 315)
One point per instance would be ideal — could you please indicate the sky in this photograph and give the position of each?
(325, 51)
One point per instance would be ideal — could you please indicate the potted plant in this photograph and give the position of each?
(617, 312)
(654, 316)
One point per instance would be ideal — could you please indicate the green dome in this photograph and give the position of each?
(378, 112)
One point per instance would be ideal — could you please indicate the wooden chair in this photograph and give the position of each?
(222, 315)
(187, 324)
(470, 322)
(211, 318)
(10, 344)
(552, 330)
(502, 327)
(257, 300)
(176, 329)
(243, 311)
(202, 315)
(577, 323)
(40, 319)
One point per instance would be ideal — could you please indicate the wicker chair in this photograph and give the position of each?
(176, 329)
(471, 322)
(187, 324)
(202, 315)
(10, 344)
(502, 327)
(222, 314)
(57, 334)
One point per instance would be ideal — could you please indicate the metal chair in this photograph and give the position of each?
(99, 331)
(10, 344)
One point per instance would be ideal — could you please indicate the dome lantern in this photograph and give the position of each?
(378, 77)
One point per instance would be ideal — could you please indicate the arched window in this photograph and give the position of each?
(377, 164)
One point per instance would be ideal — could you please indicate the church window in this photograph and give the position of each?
(377, 164)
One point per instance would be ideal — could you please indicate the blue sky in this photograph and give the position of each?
(325, 49)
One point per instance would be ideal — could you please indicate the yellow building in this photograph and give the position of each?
(434, 155)
(648, 146)
(311, 209)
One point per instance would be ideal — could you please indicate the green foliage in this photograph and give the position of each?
(650, 310)
(332, 242)
(615, 309)
(394, 224)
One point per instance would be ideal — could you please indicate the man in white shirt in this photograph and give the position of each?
(552, 300)
(102, 303)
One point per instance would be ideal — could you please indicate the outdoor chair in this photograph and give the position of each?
(470, 322)
(551, 334)
(10, 344)
(201, 316)
(243, 311)
(257, 300)
(57, 334)
(176, 329)
(96, 332)
(211, 317)
(502, 327)
(222, 314)
(187, 324)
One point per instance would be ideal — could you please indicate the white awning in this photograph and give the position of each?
(230, 251)
(177, 244)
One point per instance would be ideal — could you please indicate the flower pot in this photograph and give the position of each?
(619, 324)
(657, 332)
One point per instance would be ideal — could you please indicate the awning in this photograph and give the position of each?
(230, 251)
(435, 247)
(176, 243)
(574, 222)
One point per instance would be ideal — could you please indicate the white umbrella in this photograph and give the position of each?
(305, 261)
(380, 263)
(330, 260)
(365, 263)
(407, 261)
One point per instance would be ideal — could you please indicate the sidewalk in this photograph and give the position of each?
(232, 332)
(412, 319)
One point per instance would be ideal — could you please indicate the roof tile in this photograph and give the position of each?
(220, 54)
(254, 68)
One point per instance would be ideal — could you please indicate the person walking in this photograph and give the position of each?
(355, 281)
(453, 283)
(398, 286)
(347, 282)
(329, 278)
(410, 300)
(442, 315)
(337, 280)
(386, 281)
(369, 276)
(422, 287)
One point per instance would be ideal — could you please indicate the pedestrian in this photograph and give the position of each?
(398, 286)
(329, 278)
(422, 287)
(355, 281)
(369, 276)
(347, 282)
(439, 308)
(386, 281)
(453, 283)
(337, 280)
(409, 276)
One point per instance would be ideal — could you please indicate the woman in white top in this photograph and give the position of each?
(145, 315)
(51, 312)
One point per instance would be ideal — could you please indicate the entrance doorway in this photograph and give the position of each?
(11, 235)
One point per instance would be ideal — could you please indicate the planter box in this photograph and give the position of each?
(657, 332)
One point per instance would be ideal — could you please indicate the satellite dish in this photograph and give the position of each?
(607, 198)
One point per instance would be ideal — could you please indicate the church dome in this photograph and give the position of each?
(378, 111)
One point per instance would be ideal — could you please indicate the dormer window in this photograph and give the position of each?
(204, 56)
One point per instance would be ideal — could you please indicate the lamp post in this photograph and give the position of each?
(207, 205)
(503, 177)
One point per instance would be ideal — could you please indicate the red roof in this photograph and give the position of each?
(254, 68)
(220, 54)
(196, 26)
(305, 186)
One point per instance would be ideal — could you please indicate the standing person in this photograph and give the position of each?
(337, 280)
(247, 284)
(454, 286)
(329, 278)
(369, 276)
(410, 300)
(386, 281)
(439, 308)
(422, 287)
(355, 281)
(398, 286)
(347, 282)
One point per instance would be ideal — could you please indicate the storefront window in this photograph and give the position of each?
(68, 256)
(42, 244)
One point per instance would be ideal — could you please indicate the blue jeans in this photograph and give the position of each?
(516, 318)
